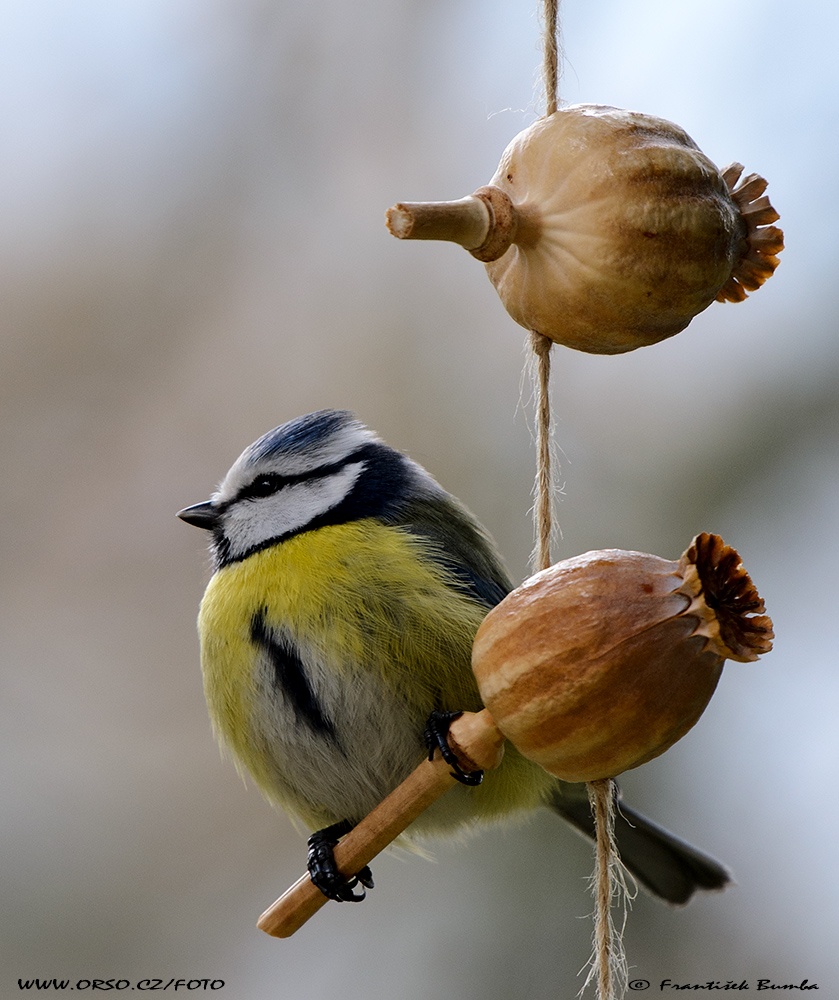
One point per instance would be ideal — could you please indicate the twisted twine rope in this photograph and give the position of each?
(550, 66)
(608, 961)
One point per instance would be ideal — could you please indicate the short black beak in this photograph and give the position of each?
(202, 515)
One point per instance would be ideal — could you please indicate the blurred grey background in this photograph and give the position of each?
(193, 251)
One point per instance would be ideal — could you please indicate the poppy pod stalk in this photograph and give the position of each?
(603, 661)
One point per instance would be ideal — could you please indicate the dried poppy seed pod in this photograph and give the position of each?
(603, 661)
(608, 230)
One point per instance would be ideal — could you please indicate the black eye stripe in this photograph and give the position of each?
(262, 487)
(274, 482)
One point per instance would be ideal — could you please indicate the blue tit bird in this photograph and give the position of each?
(347, 589)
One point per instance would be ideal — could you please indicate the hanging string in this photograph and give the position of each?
(550, 67)
(543, 506)
(608, 960)
(541, 345)
(600, 792)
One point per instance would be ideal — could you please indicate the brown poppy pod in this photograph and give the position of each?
(603, 661)
(593, 666)
(607, 230)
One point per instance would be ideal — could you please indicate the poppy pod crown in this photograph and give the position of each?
(603, 661)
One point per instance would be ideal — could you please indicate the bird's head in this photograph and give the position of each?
(322, 468)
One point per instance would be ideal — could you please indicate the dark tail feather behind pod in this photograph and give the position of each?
(670, 868)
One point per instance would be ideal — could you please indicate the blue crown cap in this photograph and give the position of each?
(300, 434)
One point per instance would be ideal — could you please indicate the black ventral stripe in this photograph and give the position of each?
(290, 677)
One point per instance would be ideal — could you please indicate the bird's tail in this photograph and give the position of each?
(670, 868)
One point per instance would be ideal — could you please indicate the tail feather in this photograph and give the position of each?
(668, 867)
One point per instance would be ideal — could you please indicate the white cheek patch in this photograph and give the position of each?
(250, 523)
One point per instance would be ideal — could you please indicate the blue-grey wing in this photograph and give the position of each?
(458, 542)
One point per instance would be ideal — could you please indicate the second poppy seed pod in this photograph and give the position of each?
(607, 230)
(628, 230)
(604, 661)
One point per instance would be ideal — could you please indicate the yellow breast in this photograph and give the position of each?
(357, 597)
(364, 603)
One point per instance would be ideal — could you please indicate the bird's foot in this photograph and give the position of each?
(436, 738)
(324, 872)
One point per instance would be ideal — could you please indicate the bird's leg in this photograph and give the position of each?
(324, 872)
(436, 738)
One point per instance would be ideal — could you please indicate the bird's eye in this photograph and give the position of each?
(264, 486)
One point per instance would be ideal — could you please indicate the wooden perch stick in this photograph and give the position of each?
(479, 746)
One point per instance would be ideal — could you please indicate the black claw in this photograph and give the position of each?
(436, 738)
(324, 873)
